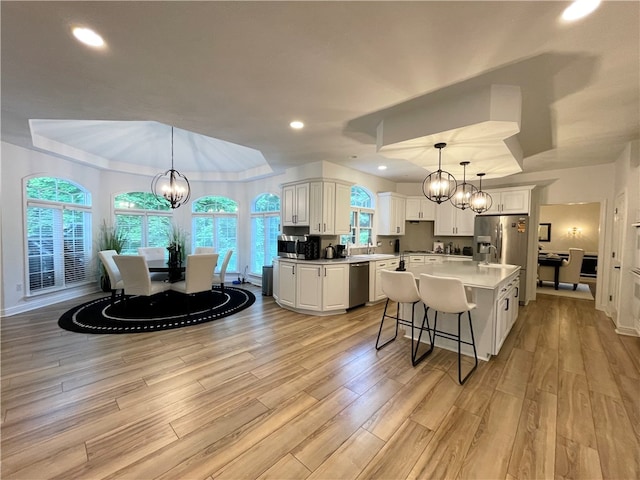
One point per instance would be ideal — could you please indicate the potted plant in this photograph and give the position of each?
(109, 238)
(177, 248)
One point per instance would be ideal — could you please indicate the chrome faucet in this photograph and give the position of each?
(369, 248)
(488, 253)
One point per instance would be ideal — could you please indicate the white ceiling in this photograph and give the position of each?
(239, 72)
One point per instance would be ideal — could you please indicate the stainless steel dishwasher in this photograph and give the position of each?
(358, 284)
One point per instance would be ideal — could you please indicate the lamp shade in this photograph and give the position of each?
(171, 185)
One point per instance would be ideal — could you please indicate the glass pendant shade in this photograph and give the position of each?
(171, 185)
(481, 201)
(462, 197)
(439, 186)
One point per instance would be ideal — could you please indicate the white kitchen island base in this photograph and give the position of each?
(495, 292)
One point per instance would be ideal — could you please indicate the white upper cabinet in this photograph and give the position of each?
(451, 221)
(510, 200)
(323, 206)
(419, 208)
(295, 205)
(330, 207)
(391, 213)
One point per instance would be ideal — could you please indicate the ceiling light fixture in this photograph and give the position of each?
(88, 37)
(171, 185)
(382, 167)
(462, 197)
(579, 9)
(296, 125)
(480, 201)
(439, 186)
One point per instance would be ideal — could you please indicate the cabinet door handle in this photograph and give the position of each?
(325, 271)
(507, 304)
(318, 227)
(517, 292)
(319, 274)
(293, 270)
(325, 227)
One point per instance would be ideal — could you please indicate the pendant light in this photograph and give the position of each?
(439, 186)
(171, 185)
(481, 201)
(462, 196)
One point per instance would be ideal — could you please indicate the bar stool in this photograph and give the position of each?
(401, 287)
(448, 295)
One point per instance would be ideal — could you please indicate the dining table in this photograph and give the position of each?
(556, 263)
(175, 271)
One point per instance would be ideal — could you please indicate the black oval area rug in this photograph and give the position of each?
(165, 311)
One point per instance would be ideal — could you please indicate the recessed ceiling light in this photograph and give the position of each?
(296, 124)
(88, 37)
(579, 9)
(382, 167)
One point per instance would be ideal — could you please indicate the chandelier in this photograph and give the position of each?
(462, 197)
(481, 201)
(171, 185)
(439, 186)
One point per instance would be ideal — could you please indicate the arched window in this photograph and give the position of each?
(362, 210)
(265, 226)
(58, 234)
(144, 220)
(215, 224)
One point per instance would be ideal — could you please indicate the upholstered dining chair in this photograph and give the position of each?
(205, 250)
(448, 295)
(115, 279)
(136, 278)
(219, 277)
(569, 270)
(197, 276)
(154, 253)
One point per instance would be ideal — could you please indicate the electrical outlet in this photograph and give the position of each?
(378, 244)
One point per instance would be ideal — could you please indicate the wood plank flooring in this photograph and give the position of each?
(270, 394)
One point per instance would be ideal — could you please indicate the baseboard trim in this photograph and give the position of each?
(33, 303)
(629, 332)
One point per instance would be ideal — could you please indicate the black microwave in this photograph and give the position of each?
(303, 247)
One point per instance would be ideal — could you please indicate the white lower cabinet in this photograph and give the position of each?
(375, 282)
(507, 308)
(312, 286)
(309, 286)
(286, 283)
(335, 287)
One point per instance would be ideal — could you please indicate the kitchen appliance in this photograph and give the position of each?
(330, 252)
(305, 247)
(341, 251)
(358, 284)
(503, 239)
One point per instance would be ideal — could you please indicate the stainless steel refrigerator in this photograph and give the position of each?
(509, 235)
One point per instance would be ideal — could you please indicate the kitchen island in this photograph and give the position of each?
(320, 287)
(493, 288)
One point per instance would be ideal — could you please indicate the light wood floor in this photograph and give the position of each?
(274, 395)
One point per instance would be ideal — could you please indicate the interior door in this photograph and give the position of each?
(616, 257)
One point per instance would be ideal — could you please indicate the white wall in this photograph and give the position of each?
(627, 180)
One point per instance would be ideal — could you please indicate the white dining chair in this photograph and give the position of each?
(569, 270)
(448, 295)
(401, 287)
(154, 253)
(205, 250)
(219, 277)
(136, 278)
(197, 276)
(115, 279)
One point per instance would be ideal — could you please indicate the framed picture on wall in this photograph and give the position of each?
(544, 232)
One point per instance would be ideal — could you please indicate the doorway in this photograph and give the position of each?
(575, 225)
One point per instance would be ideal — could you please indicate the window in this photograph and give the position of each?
(265, 225)
(58, 231)
(144, 220)
(215, 224)
(361, 218)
